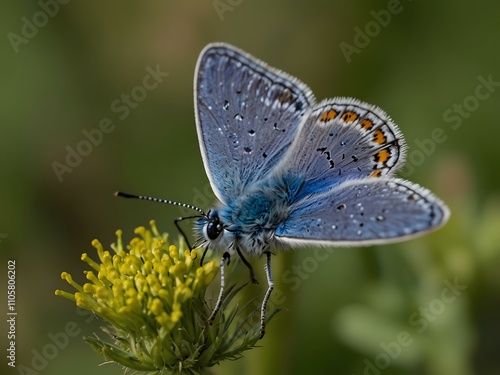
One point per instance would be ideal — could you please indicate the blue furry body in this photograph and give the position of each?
(251, 220)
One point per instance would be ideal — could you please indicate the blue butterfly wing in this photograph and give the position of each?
(344, 138)
(363, 212)
(247, 116)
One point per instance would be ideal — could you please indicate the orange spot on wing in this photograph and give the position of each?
(376, 173)
(383, 156)
(366, 124)
(379, 137)
(328, 115)
(349, 117)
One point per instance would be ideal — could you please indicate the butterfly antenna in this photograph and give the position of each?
(160, 200)
(177, 220)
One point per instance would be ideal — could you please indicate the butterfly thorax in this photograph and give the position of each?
(250, 220)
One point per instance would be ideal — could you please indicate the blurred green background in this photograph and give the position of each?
(388, 309)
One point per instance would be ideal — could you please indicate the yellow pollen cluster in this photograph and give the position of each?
(146, 280)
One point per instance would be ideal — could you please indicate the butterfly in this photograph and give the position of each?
(291, 172)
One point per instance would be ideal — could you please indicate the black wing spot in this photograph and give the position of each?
(328, 156)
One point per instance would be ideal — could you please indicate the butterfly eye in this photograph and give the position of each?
(214, 228)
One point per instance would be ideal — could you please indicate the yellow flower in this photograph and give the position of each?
(152, 293)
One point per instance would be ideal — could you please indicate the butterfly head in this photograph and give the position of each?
(214, 231)
(213, 226)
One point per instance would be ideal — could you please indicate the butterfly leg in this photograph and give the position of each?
(176, 222)
(249, 266)
(218, 304)
(270, 283)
